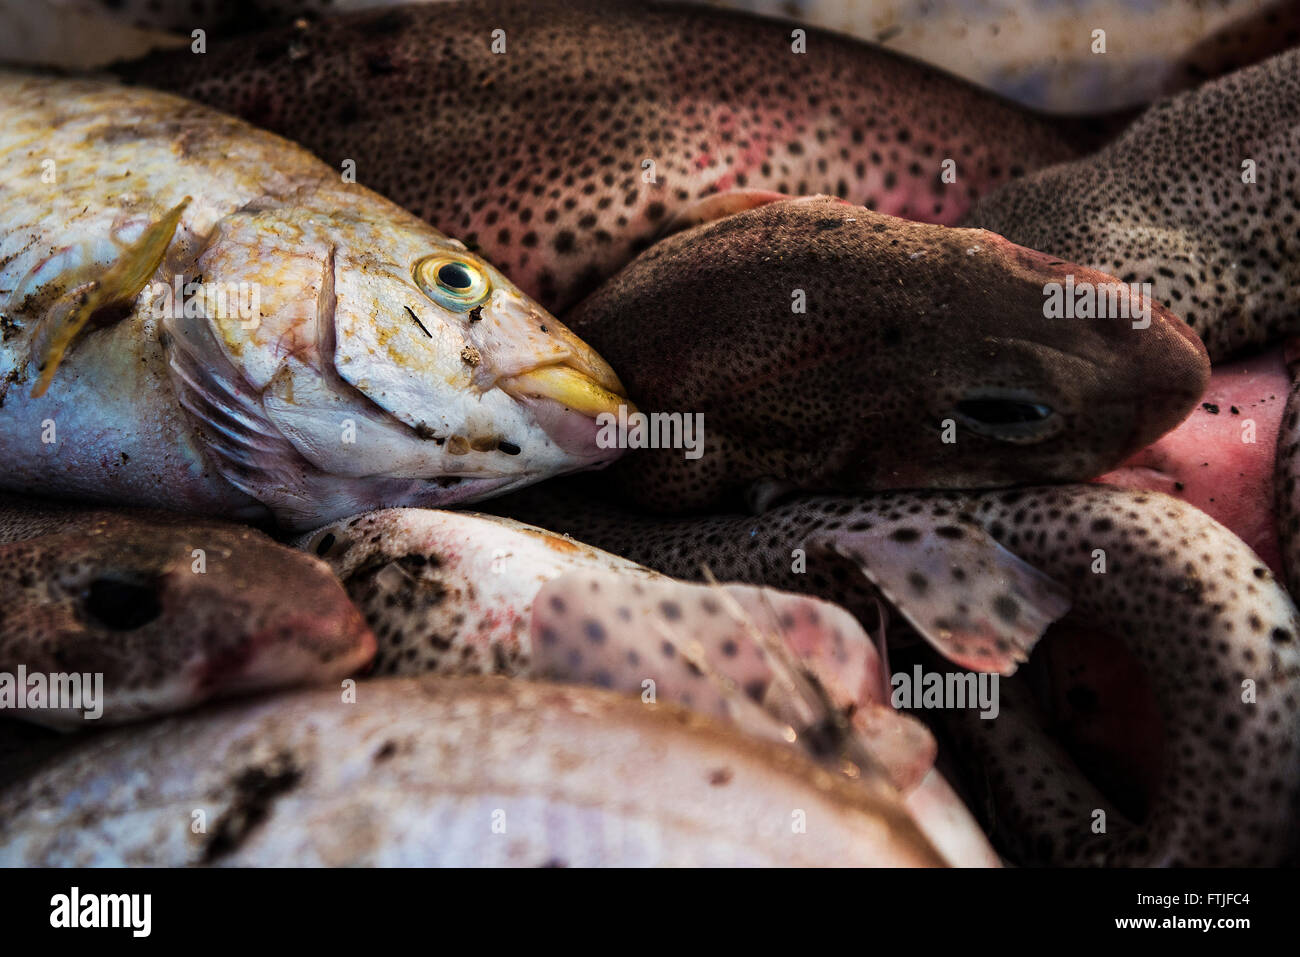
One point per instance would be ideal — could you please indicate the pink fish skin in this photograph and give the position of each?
(1221, 459)
(537, 155)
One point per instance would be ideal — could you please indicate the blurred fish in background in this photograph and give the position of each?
(1041, 53)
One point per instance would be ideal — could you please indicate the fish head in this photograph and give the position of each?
(1060, 370)
(831, 347)
(172, 613)
(381, 349)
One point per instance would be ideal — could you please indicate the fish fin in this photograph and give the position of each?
(779, 665)
(717, 206)
(119, 284)
(978, 604)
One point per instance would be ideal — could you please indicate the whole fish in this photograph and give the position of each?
(560, 138)
(457, 593)
(816, 345)
(196, 314)
(1202, 615)
(166, 610)
(448, 772)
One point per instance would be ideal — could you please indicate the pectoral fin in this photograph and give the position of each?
(119, 284)
(779, 665)
(979, 605)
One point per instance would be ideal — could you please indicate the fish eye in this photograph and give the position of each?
(452, 281)
(1010, 419)
(120, 605)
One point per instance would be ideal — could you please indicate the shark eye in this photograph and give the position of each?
(120, 605)
(455, 283)
(1009, 419)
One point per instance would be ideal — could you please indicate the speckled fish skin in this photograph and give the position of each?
(455, 593)
(171, 610)
(1039, 54)
(413, 773)
(1198, 609)
(351, 388)
(535, 156)
(459, 593)
(905, 326)
(1166, 204)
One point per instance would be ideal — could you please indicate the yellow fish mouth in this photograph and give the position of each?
(592, 391)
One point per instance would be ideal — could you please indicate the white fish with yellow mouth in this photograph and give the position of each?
(328, 352)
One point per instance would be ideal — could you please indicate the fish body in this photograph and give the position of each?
(821, 346)
(1195, 197)
(1046, 55)
(1203, 617)
(454, 593)
(168, 611)
(427, 771)
(197, 314)
(561, 138)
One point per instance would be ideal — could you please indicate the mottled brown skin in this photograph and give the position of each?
(904, 322)
(1196, 608)
(119, 592)
(534, 156)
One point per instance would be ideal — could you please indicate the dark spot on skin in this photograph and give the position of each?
(325, 544)
(1210, 407)
(509, 448)
(594, 631)
(720, 776)
(476, 315)
(386, 751)
(729, 648)
(905, 535)
(755, 690)
(255, 790)
(1006, 608)
(670, 610)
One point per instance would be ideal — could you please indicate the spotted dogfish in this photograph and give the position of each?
(559, 137)
(777, 327)
(980, 574)
(457, 593)
(169, 610)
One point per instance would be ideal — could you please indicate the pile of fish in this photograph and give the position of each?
(910, 478)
